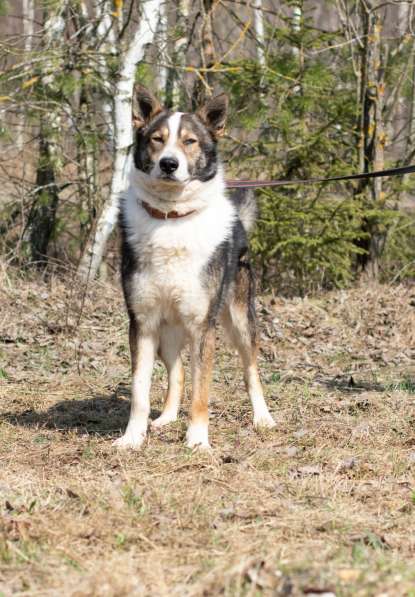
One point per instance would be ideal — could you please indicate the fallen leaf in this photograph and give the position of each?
(348, 574)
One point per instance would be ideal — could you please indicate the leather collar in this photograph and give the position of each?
(161, 215)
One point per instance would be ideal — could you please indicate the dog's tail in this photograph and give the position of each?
(245, 203)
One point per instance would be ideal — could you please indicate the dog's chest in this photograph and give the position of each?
(169, 283)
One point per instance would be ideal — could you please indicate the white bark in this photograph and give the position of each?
(28, 13)
(163, 31)
(298, 51)
(174, 17)
(259, 31)
(93, 254)
(296, 25)
(179, 50)
(28, 9)
(106, 40)
(296, 18)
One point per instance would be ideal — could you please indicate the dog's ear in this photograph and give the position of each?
(213, 114)
(145, 106)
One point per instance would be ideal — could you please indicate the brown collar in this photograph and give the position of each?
(161, 215)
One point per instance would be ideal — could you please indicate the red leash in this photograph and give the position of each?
(256, 184)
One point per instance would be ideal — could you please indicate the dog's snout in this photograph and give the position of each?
(169, 165)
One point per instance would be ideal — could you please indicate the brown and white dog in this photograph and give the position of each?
(185, 264)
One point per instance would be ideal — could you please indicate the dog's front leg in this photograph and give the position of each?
(143, 349)
(202, 353)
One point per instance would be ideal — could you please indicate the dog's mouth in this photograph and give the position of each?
(168, 177)
(171, 179)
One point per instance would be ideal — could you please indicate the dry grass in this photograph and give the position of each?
(324, 503)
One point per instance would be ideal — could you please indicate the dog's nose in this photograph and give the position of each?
(169, 165)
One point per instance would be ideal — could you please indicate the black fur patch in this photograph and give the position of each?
(142, 158)
(223, 267)
(129, 261)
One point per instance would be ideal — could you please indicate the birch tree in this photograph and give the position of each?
(123, 132)
(43, 212)
(28, 8)
(259, 32)
(176, 50)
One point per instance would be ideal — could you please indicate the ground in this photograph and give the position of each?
(323, 504)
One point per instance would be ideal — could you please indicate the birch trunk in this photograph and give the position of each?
(144, 34)
(86, 147)
(203, 86)
(259, 32)
(28, 10)
(163, 47)
(43, 212)
(176, 49)
(106, 43)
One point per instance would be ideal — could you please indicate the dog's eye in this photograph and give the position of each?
(157, 139)
(190, 141)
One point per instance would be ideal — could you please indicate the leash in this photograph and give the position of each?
(256, 184)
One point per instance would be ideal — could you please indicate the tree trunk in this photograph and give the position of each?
(144, 34)
(372, 137)
(43, 214)
(42, 217)
(86, 146)
(259, 32)
(203, 86)
(107, 45)
(28, 12)
(177, 53)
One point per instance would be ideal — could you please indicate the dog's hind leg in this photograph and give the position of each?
(171, 343)
(202, 353)
(240, 323)
(143, 350)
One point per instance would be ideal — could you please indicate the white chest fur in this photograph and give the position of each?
(172, 254)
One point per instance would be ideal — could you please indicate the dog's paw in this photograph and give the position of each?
(129, 441)
(199, 448)
(164, 419)
(264, 421)
(197, 437)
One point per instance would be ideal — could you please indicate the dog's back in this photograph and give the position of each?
(246, 206)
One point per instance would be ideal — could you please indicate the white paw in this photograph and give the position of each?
(130, 440)
(264, 421)
(197, 437)
(164, 419)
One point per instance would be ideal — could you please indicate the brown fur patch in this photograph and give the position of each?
(202, 364)
(145, 106)
(213, 114)
(157, 141)
(192, 150)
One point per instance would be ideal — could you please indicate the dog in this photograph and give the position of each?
(185, 263)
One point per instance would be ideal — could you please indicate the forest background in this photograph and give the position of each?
(316, 88)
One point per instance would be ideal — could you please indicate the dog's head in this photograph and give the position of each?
(177, 147)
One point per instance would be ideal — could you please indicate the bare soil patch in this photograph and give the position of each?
(323, 504)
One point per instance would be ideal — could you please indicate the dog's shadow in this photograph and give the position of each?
(103, 415)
